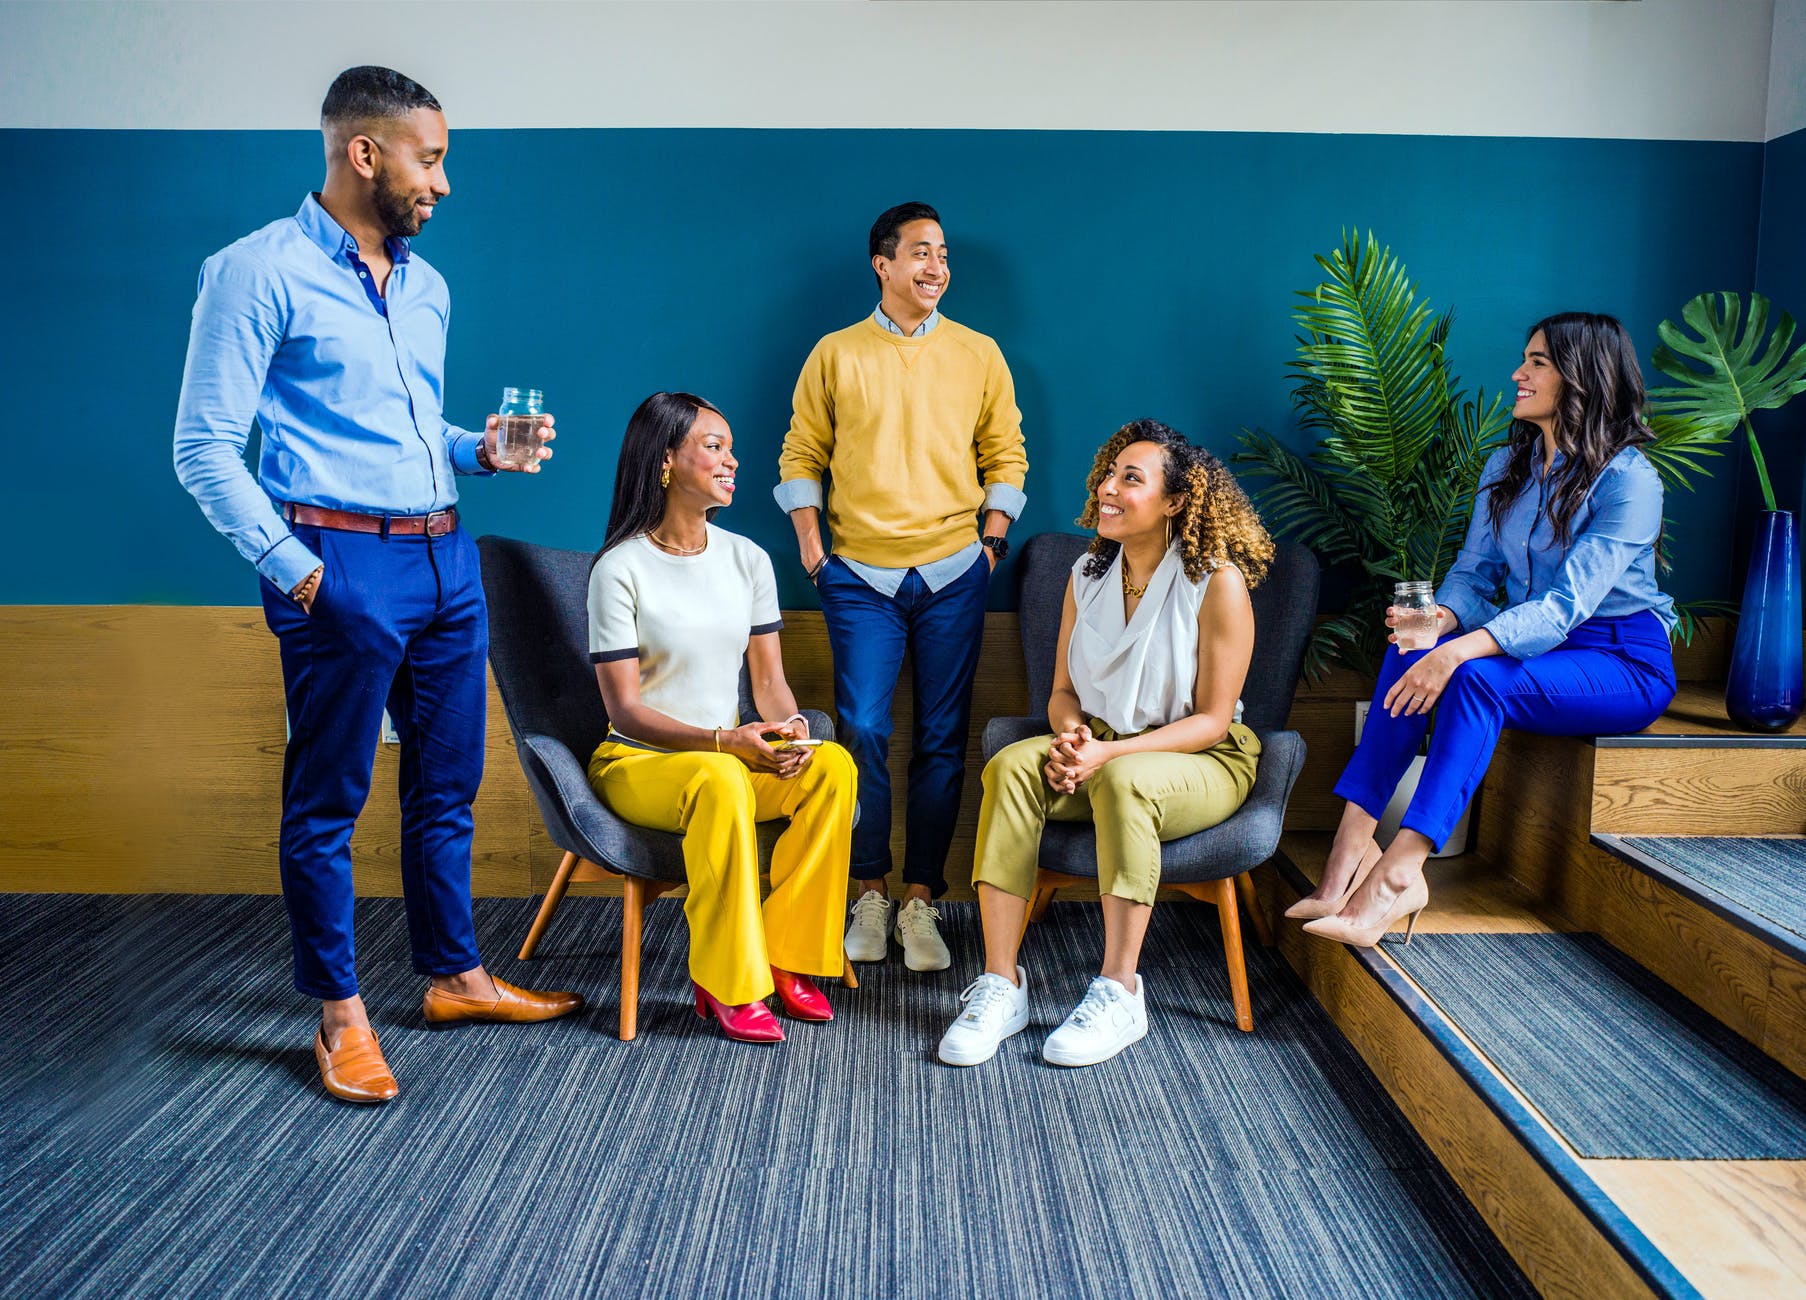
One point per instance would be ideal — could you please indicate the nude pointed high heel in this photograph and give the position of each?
(1309, 909)
(1407, 904)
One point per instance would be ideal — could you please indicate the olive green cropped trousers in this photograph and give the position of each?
(1135, 801)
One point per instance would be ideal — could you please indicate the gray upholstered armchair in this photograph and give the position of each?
(539, 651)
(1212, 865)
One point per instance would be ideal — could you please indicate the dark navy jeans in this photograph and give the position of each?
(1610, 675)
(868, 633)
(399, 622)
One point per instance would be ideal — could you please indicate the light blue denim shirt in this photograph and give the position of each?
(1607, 569)
(346, 384)
(801, 492)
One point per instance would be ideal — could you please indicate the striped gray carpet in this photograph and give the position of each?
(1766, 876)
(1621, 1064)
(165, 1134)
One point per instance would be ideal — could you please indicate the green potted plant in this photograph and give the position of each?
(1740, 372)
(1387, 491)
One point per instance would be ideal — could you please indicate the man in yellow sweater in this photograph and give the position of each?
(913, 420)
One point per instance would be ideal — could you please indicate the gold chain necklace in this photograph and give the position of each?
(1129, 588)
(663, 545)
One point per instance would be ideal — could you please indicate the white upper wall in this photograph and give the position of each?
(1641, 69)
(1787, 70)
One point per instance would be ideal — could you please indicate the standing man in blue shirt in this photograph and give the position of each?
(327, 329)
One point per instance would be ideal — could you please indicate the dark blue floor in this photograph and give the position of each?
(165, 1133)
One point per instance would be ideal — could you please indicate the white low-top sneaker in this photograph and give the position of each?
(868, 937)
(923, 948)
(1107, 1019)
(995, 1009)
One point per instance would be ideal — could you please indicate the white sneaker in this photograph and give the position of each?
(868, 935)
(921, 938)
(1107, 1019)
(995, 1009)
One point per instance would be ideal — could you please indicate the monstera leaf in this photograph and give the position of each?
(1743, 373)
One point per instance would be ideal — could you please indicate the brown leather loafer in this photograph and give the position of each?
(513, 1006)
(355, 1070)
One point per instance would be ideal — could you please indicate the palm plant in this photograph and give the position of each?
(1390, 485)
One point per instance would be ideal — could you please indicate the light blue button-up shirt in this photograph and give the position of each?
(801, 492)
(346, 384)
(1607, 569)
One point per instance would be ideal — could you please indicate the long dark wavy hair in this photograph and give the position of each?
(1216, 525)
(660, 425)
(1598, 415)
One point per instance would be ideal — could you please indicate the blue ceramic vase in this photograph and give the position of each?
(1764, 690)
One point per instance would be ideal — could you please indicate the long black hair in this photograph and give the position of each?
(659, 426)
(1598, 415)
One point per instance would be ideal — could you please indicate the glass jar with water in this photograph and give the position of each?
(1414, 615)
(516, 437)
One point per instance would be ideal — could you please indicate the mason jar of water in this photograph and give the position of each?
(1414, 615)
(516, 437)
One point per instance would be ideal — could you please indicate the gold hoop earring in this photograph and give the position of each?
(664, 479)
(1169, 532)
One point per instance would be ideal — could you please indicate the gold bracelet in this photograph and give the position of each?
(717, 740)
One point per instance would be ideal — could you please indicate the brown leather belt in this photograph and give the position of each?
(437, 524)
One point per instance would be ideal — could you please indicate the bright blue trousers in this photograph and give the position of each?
(400, 622)
(868, 633)
(1611, 675)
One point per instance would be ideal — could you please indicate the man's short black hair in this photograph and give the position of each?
(888, 228)
(361, 94)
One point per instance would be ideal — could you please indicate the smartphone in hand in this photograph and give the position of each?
(778, 740)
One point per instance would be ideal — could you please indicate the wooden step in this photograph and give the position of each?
(1576, 1226)
(1554, 810)
(1694, 773)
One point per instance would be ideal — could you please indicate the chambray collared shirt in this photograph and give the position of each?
(1607, 569)
(801, 492)
(346, 384)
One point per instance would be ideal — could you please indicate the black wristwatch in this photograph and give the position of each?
(998, 546)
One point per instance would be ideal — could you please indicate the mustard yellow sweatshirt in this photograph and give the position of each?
(910, 431)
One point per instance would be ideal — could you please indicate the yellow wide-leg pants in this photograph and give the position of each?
(714, 801)
(1136, 802)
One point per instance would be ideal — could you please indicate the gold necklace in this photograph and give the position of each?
(1128, 588)
(663, 545)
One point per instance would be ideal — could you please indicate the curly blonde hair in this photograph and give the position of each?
(1217, 524)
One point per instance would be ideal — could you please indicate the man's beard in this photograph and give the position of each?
(396, 210)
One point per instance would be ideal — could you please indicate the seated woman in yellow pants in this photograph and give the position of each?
(675, 603)
(1147, 741)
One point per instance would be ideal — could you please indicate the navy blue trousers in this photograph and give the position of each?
(399, 622)
(1610, 675)
(868, 633)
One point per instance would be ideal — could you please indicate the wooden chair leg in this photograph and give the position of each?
(634, 897)
(848, 979)
(1040, 899)
(1228, 914)
(1263, 928)
(554, 896)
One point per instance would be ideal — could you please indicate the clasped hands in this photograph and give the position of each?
(1074, 758)
(748, 744)
(1421, 685)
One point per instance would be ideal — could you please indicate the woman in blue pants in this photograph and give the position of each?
(1566, 521)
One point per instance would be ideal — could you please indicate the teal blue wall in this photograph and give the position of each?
(1125, 274)
(1781, 276)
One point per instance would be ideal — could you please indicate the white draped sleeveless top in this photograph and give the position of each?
(1136, 673)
